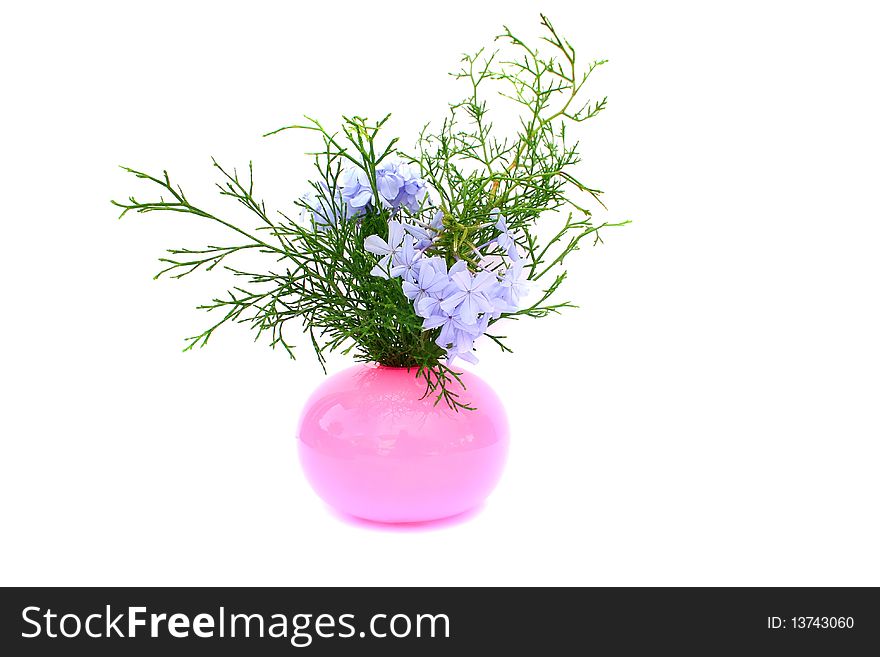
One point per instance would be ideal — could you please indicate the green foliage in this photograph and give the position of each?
(322, 277)
(523, 176)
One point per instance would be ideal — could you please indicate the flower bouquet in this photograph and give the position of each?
(409, 260)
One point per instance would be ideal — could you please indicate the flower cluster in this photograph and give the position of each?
(457, 300)
(398, 185)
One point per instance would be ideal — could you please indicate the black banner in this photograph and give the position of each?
(437, 621)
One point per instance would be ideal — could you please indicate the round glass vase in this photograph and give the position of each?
(374, 446)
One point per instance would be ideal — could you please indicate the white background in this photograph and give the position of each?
(708, 416)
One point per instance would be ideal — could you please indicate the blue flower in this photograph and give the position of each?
(400, 185)
(471, 297)
(457, 302)
(505, 295)
(431, 280)
(430, 304)
(505, 240)
(313, 211)
(388, 183)
(513, 285)
(318, 208)
(356, 191)
(464, 346)
(461, 351)
(425, 233)
(412, 189)
(454, 333)
(403, 262)
(397, 185)
(437, 222)
(386, 249)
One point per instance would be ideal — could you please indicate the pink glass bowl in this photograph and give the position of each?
(373, 446)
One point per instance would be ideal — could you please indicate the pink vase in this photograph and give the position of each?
(373, 446)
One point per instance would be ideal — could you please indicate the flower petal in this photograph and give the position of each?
(437, 284)
(375, 244)
(460, 265)
(364, 196)
(452, 302)
(434, 321)
(447, 335)
(462, 279)
(483, 281)
(468, 309)
(427, 306)
(395, 234)
(379, 271)
(411, 290)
